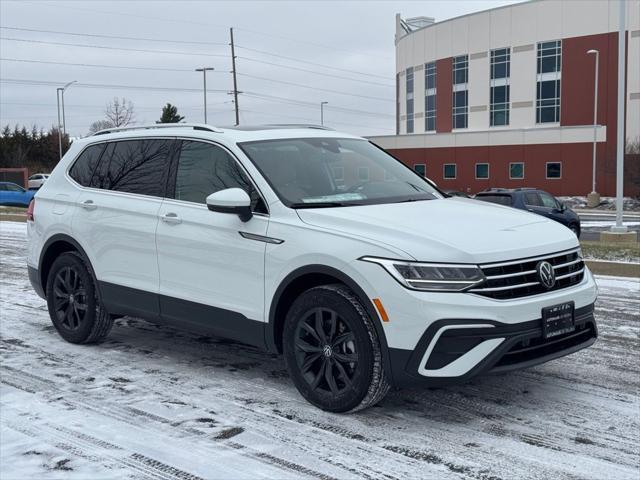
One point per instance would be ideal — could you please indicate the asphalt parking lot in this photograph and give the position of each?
(155, 403)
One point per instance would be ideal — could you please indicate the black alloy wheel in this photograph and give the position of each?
(326, 351)
(332, 350)
(74, 307)
(69, 298)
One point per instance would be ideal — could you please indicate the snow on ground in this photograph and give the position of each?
(155, 403)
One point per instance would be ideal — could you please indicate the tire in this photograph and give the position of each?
(73, 303)
(575, 229)
(332, 350)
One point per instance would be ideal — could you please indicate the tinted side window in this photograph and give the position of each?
(204, 169)
(499, 199)
(532, 200)
(547, 200)
(135, 166)
(84, 166)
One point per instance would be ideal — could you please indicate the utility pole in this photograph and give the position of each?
(620, 124)
(204, 71)
(235, 80)
(322, 104)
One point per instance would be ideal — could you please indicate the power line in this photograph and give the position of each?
(137, 107)
(206, 24)
(313, 71)
(117, 37)
(314, 105)
(19, 81)
(310, 119)
(317, 88)
(159, 69)
(114, 48)
(346, 70)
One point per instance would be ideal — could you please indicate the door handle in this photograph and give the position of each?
(171, 218)
(88, 205)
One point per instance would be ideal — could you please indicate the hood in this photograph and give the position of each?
(448, 230)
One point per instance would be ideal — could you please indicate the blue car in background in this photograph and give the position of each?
(12, 195)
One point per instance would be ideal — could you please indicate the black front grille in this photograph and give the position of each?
(532, 348)
(519, 278)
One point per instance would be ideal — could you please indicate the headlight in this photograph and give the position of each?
(435, 277)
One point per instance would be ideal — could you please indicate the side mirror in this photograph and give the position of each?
(231, 200)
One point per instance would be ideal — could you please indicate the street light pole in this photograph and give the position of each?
(595, 117)
(622, 28)
(59, 123)
(322, 104)
(64, 122)
(204, 78)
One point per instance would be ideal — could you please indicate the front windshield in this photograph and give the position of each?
(317, 172)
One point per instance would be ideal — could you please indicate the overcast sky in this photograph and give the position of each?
(336, 51)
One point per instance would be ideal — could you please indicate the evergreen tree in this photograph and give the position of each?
(170, 114)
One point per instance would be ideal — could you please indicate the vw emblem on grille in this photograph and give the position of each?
(546, 275)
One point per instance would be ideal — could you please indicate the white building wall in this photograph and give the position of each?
(520, 27)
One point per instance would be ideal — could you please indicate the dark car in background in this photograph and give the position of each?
(533, 200)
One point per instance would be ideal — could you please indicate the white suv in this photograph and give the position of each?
(306, 242)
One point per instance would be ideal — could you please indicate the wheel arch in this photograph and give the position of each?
(307, 277)
(53, 248)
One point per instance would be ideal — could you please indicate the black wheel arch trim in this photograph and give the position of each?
(270, 330)
(62, 237)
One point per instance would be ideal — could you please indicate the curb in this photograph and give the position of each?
(618, 269)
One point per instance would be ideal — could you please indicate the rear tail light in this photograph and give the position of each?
(32, 206)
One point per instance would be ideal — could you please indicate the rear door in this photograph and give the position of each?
(211, 274)
(116, 216)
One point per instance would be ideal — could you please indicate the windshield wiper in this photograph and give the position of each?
(320, 204)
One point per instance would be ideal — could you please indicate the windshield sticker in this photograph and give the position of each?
(340, 197)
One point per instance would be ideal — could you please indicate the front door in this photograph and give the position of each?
(211, 277)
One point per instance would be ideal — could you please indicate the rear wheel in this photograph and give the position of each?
(74, 307)
(332, 350)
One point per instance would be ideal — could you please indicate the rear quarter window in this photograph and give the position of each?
(135, 166)
(498, 199)
(84, 166)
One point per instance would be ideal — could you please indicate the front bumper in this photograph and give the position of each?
(454, 350)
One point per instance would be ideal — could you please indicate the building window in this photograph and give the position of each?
(500, 88)
(430, 97)
(548, 82)
(363, 174)
(482, 171)
(516, 170)
(460, 91)
(554, 170)
(449, 170)
(421, 169)
(409, 83)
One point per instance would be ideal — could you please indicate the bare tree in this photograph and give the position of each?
(99, 125)
(632, 146)
(119, 112)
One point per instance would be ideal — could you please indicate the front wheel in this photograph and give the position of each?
(73, 303)
(575, 229)
(332, 350)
